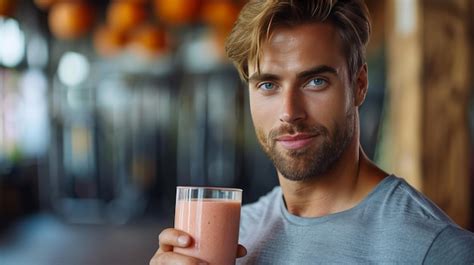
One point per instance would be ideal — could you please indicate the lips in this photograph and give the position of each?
(295, 141)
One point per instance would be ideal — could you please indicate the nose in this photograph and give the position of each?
(292, 109)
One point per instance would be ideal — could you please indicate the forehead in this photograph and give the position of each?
(294, 48)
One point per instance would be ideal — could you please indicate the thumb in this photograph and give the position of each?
(241, 251)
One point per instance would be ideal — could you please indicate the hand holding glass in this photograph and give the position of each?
(212, 217)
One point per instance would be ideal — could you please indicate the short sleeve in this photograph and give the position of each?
(453, 245)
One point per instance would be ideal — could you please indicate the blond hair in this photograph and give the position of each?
(259, 17)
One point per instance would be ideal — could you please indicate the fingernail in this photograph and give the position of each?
(202, 263)
(183, 240)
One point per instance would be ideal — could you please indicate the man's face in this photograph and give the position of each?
(301, 101)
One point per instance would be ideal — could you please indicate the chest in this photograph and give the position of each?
(348, 242)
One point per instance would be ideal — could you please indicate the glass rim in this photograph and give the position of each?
(209, 188)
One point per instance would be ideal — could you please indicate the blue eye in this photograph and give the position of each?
(266, 86)
(317, 83)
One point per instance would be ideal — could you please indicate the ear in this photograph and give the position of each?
(361, 86)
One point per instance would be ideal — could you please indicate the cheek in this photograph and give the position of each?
(262, 111)
(328, 108)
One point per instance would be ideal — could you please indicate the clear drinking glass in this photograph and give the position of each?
(212, 217)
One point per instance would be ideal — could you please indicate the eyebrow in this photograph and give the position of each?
(305, 74)
(317, 70)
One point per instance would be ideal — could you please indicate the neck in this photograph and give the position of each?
(348, 182)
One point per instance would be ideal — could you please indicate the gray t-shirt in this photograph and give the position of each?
(394, 224)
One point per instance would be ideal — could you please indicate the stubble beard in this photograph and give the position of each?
(312, 161)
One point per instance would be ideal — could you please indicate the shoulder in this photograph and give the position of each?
(453, 245)
(403, 200)
(407, 214)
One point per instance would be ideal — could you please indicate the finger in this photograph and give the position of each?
(241, 251)
(175, 259)
(171, 237)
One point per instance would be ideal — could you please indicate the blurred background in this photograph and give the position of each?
(106, 106)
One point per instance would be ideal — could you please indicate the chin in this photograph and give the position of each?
(308, 165)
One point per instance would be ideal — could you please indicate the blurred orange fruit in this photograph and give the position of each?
(71, 19)
(108, 41)
(7, 7)
(177, 12)
(125, 14)
(220, 13)
(149, 40)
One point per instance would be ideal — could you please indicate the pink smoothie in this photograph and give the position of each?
(214, 226)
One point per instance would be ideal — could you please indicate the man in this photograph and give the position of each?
(304, 62)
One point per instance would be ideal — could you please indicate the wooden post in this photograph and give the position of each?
(427, 130)
(400, 148)
(446, 91)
